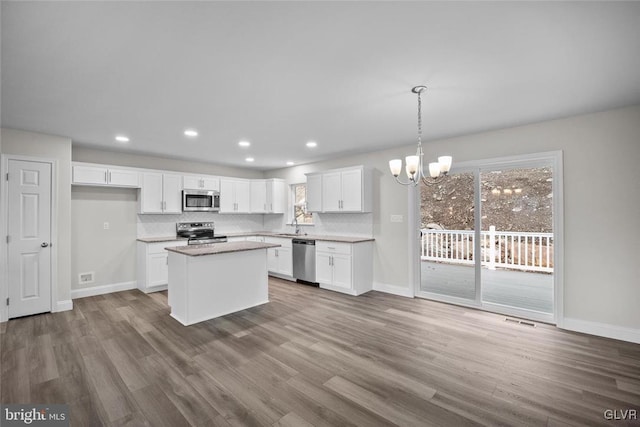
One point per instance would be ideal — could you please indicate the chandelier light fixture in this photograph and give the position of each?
(413, 167)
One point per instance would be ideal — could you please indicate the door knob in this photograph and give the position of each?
(44, 244)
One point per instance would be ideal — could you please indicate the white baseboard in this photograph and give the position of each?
(282, 276)
(104, 289)
(65, 305)
(602, 330)
(393, 289)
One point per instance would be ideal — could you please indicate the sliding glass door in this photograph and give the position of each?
(517, 238)
(487, 237)
(447, 230)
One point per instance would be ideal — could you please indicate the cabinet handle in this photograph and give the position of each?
(166, 260)
(271, 209)
(277, 253)
(105, 177)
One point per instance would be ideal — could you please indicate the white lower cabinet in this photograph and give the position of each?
(280, 260)
(345, 267)
(153, 271)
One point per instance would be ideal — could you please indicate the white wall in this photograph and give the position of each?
(33, 144)
(109, 254)
(601, 205)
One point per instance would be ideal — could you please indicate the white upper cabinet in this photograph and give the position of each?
(200, 182)
(235, 196)
(101, 175)
(352, 191)
(268, 196)
(331, 192)
(276, 196)
(160, 193)
(259, 196)
(314, 193)
(340, 190)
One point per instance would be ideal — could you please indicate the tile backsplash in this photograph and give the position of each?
(165, 225)
(332, 224)
(354, 225)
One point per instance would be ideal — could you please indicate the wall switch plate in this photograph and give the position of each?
(396, 218)
(105, 226)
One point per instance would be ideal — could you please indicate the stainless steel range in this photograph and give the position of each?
(199, 233)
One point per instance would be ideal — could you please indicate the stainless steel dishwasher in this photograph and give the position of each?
(304, 260)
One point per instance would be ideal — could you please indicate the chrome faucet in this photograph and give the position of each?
(295, 222)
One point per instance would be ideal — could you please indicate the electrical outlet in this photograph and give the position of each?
(105, 226)
(396, 218)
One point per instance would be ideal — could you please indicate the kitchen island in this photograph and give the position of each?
(209, 281)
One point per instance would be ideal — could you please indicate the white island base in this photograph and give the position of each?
(208, 286)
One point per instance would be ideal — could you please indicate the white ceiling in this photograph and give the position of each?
(281, 73)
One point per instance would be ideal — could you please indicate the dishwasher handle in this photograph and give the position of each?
(303, 242)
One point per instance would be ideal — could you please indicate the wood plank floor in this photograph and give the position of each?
(313, 357)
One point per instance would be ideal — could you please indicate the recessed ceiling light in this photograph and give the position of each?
(244, 143)
(312, 144)
(290, 163)
(191, 133)
(122, 138)
(249, 159)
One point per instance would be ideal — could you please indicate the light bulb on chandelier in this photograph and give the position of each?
(414, 164)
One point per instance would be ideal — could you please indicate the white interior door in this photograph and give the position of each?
(29, 230)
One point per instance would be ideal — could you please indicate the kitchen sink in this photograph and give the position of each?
(289, 235)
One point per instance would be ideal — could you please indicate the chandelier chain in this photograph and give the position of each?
(419, 118)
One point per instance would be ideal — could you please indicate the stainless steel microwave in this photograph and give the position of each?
(200, 201)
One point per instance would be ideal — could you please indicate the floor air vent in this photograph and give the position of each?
(85, 278)
(520, 322)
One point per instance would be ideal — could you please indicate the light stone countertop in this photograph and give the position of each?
(220, 248)
(161, 239)
(343, 239)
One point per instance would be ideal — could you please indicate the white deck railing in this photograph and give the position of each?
(499, 249)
